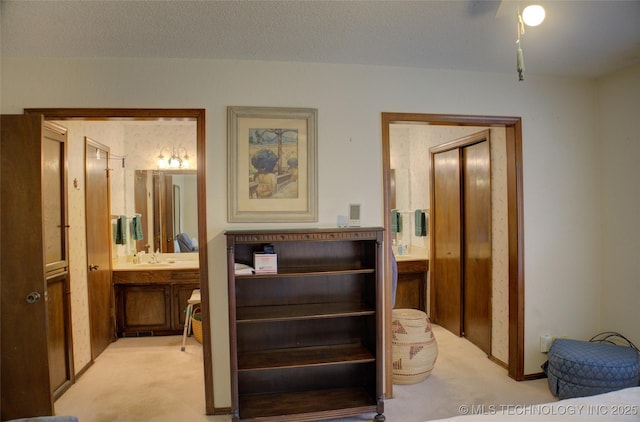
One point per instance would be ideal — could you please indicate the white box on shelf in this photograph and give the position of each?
(265, 263)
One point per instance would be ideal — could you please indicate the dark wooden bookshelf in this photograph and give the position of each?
(306, 342)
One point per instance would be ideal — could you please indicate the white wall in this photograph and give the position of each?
(561, 165)
(619, 100)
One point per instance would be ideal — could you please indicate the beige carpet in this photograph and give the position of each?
(149, 379)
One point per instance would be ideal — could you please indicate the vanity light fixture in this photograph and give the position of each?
(532, 15)
(178, 159)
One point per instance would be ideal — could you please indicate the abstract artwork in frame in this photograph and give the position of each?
(272, 164)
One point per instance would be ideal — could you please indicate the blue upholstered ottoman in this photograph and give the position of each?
(582, 368)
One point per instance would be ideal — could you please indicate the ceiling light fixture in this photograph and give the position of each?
(532, 15)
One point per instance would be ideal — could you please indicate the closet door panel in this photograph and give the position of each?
(447, 266)
(477, 245)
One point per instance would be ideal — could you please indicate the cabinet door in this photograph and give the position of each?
(181, 294)
(144, 308)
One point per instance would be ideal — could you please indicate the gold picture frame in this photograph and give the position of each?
(272, 164)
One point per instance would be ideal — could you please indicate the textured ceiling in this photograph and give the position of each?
(579, 38)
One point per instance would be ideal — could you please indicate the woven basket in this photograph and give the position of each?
(196, 324)
(413, 346)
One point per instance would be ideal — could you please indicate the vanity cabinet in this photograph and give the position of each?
(411, 292)
(306, 342)
(152, 302)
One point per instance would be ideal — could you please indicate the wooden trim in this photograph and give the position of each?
(498, 361)
(198, 115)
(515, 223)
(386, 256)
(535, 376)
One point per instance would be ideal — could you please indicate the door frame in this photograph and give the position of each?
(199, 116)
(515, 226)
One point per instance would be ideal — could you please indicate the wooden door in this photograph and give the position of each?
(98, 212)
(163, 213)
(477, 244)
(24, 367)
(447, 267)
(140, 203)
(461, 272)
(55, 228)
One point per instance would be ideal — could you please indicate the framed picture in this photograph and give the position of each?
(272, 164)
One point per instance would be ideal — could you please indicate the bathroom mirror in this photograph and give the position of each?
(167, 202)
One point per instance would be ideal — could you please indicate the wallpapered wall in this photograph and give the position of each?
(410, 149)
(140, 142)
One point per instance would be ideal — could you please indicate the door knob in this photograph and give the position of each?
(33, 297)
(93, 267)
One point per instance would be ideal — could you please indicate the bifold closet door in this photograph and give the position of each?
(447, 268)
(477, 245)
(461, 217)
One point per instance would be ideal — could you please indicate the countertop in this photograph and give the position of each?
(168, 261)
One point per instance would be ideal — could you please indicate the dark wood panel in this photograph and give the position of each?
(447, 232)
(304, 356)
(156, 276)
(307, 378)
(304, 311)
(146, 307)
(303, 333)
(324, 404)
(59, 332)
(411, 292)
(477, 245)
(305, 290)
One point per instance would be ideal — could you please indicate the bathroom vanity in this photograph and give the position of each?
(151, 298)
(412, 282)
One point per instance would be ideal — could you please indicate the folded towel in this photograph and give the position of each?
(420, 223)
(242, 269)
(121, 230)
(136, 225)
(394, 221)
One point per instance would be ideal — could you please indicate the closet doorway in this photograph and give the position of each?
(511, 129)
(461, 248)
(198, 116)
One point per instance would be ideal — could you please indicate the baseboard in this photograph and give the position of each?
(536, 376)
(498, 361)
(83, 370)
(221, 411)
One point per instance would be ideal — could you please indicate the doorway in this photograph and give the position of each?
(197, 115)
(461, 238)
(514, 223)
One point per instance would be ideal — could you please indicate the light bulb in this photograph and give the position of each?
(162, 163)
(533, 15)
